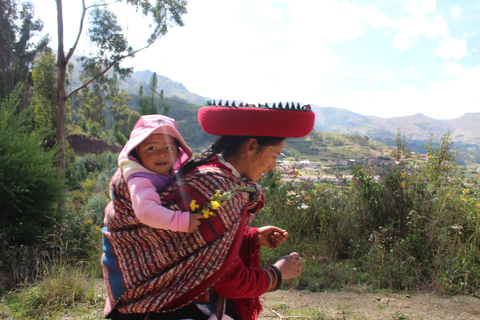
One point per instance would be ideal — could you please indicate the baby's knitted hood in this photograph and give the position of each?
(153, 124)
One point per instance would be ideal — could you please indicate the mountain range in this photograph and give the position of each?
(464, 131)
(171, 89)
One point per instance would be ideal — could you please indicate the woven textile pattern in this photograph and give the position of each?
(156, 273)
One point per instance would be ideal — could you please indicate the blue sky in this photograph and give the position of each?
(383, 58)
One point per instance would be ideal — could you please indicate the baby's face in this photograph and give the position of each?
(158, 153)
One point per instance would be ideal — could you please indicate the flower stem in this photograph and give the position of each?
(180, 246)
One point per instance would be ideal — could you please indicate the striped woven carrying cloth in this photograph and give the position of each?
(146, 270)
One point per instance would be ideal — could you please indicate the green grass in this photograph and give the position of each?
(62, 289)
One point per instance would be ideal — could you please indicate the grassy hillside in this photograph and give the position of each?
(322, 146)
(318, 146)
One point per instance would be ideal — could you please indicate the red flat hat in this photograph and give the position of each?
(263, 121)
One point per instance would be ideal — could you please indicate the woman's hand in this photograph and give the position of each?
(290, 265)
(271, 237)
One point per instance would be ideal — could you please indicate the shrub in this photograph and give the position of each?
(411, 227)
(29, 186)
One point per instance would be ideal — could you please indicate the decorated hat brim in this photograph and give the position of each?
(256, 121)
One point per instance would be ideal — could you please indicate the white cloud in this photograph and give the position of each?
(414, 71)
(419, 22)
(446, 99)
(412, 28)
(381, 103)
(384, 78)
(456, 95)
(268, 10)
(451, 69)
(418, 7)
(402, 41)
(383, 75)
(452, 48)
(333, 21)
(272, 50)
(456, 12)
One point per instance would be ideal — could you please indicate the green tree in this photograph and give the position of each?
(132, 120)
(92, 109)
(153, 94)
(107, 36)
(150, 106)
(120, 111)
(166, 107)
(401, 151)
(440, 164)
(142, 102)
(17, 50)
(317, 137)
(45, 102)
(29, 184)
(8, 14)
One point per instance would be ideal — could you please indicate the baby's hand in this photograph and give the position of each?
(194, 222)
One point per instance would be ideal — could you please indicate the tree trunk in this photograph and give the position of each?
(62, 68)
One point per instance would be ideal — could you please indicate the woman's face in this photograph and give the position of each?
(261, 161)
(158, 153)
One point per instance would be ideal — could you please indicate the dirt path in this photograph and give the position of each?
(365, 306)
(349, 305)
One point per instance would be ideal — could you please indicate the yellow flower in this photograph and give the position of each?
(430, 156)
(207, 213)
(466, 191)
(89, 221)
(318, 190)
(402, 184)
(462, 198)
(277, 182)
(325, 186)
(216, 195)
(215, 205)
(478, 204)
(403, 175)
(448, 194)
(308, 199)
(193, 205)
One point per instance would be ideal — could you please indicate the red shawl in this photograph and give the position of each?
(146, 270)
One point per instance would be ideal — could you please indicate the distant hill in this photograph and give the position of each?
(465, 130)
(171, 89)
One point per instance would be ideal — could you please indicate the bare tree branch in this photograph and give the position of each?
(82, 19)
(105, 71)
(74, 47)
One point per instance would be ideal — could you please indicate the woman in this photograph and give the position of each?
(159, 274)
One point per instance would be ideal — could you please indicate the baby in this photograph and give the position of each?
(149, 160)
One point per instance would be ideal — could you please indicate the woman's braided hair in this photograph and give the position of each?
(228, 145)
